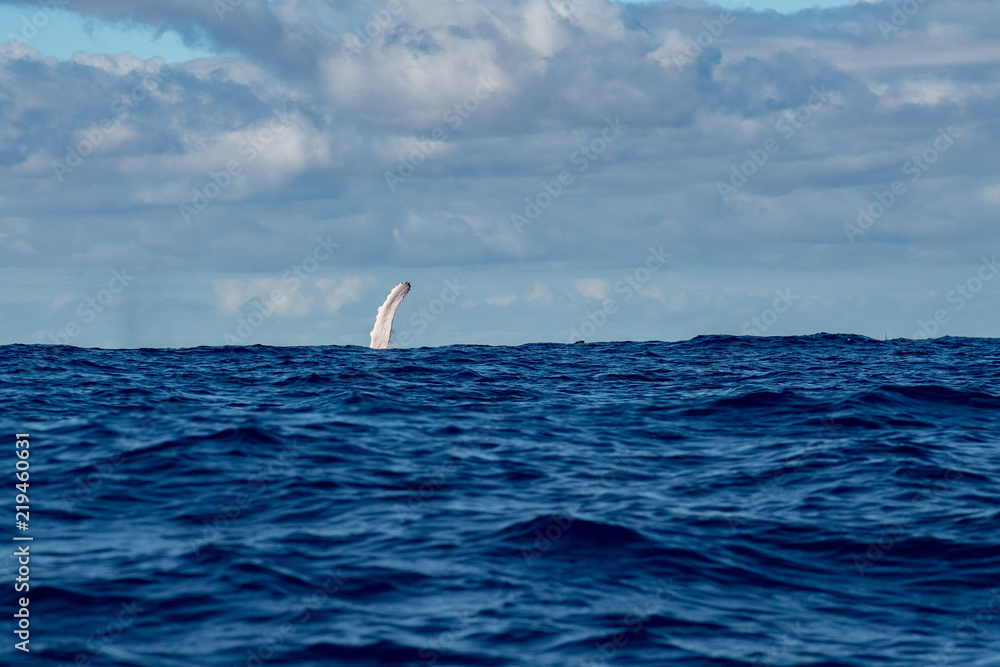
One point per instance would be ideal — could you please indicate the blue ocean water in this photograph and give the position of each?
(824, 500)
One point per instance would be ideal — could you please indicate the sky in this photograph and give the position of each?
(184, 172)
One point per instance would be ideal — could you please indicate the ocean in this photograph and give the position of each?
(824, 500)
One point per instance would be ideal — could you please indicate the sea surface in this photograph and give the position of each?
(825, 500)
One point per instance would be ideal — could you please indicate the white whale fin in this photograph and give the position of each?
(383, 321)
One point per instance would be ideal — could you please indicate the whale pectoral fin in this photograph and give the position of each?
(383, 319)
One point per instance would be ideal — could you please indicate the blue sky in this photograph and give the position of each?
(65, 32)
(181, 173)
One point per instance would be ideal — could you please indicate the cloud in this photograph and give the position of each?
(592, 288)
(540, 293)
(339, 293)
(502, 301)
(310, 113)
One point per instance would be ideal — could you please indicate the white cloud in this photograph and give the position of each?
(501, 301)
(61, 300)
(991, 193)
(592, 288)
(540, 293)
(339, 293)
